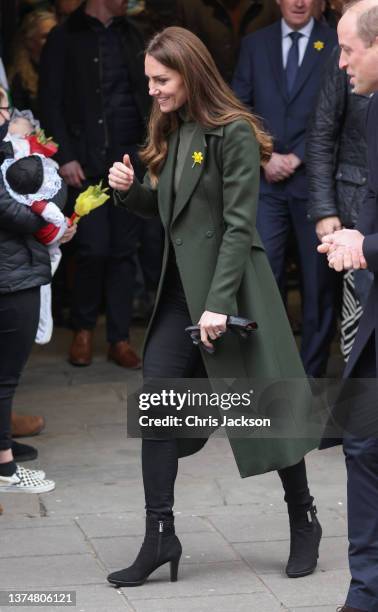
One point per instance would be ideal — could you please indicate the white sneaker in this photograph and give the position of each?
(40, 474)
(24, 481)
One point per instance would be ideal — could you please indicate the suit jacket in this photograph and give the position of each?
(368, 225)
(260, 83)
(223, 268)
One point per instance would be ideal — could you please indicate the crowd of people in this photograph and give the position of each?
(227, 132)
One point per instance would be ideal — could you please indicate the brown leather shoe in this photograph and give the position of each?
(122, 354)
(24, 425)
(81, 348)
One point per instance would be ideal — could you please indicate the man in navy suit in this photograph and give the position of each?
(278, 75)
(358, 248)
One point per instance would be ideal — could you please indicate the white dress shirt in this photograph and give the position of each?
(302, 43)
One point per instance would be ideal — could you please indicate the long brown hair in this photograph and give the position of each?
(22, 63)
(210, 102)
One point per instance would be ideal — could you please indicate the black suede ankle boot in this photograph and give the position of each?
(305, 535)
(160, 546)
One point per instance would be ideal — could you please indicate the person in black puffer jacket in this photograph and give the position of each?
(336, 158)
(24, 267)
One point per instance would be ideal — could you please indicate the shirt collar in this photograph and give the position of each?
(305, 31)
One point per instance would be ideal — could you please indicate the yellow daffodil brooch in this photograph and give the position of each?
(319, 45)
(197, 158)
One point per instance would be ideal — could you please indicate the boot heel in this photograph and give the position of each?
(174, 569)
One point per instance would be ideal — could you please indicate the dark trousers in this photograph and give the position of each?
(19, 316)
(361, 456)
(276, 216)
(106, 247)
(171, 354)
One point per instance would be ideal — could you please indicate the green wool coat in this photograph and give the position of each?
(224, 269)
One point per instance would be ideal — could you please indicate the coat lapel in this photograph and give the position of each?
(311, 57)
(165, 198)
(274, 44)
(191, 172)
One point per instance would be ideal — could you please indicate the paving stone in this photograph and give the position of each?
(35, 522)
(256, 602)
(197, 548)
(252, 511)
(20, 504)
(114, 525)
(271, 557)
(328, 492)
(266, 527)
(250, 490)
(69, 474)
(322, 588)
(50, 379)
(209, 467)
(85, 498)
(47, 394)
(64, 540)
(330, 496)
(190, 490)
(73, 452)
(199, 580)
(49, 571)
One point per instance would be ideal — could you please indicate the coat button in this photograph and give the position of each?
(178, 241)
(364, 180)
(100, 121)
(209, 234)
(95, 59)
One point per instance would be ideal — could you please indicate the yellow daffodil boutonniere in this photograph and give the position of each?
(197, 158)
(319, 45)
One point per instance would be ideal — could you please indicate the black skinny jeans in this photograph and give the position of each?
(171, 354)
(19, 316)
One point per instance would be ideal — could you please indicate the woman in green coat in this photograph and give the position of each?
(203, 156)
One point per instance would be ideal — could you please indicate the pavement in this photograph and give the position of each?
(234, 532)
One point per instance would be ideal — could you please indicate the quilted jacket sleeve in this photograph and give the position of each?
(322, 139)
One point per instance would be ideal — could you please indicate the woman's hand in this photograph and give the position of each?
(121, 175)
(212, 325)
(69, 233)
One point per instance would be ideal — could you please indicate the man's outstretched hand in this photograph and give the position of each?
(344, 250)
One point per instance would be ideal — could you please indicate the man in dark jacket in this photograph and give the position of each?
(278, 75)
(94, 102)
(221, 24)
(356, 248)
(336, 158)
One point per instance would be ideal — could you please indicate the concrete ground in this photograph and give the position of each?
(234, 532)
